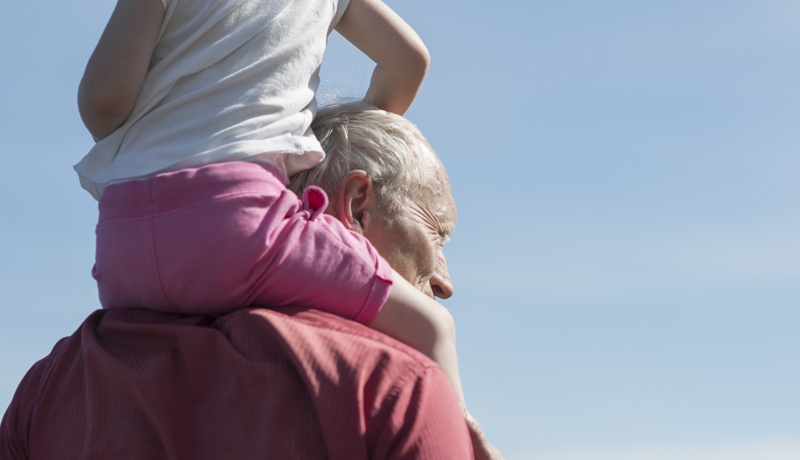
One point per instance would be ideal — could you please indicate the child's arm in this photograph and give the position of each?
(116, 70)
(401, 57)
(422, 323)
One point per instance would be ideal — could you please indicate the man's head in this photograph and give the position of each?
(385, 182)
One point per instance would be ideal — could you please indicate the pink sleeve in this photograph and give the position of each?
(426, 422)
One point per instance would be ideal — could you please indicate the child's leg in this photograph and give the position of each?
(228, 236)
(406, 313)
(419, 321)
(353, 288)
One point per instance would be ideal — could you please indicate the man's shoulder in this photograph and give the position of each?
(296, 329)
(334, 383)
(323, 335)
(390, 395)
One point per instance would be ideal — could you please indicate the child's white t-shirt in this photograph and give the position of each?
(229, 80)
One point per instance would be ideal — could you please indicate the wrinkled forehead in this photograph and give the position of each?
(433, 193)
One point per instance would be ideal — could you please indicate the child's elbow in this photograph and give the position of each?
(411, 60)
(420, 59)
(102, 107)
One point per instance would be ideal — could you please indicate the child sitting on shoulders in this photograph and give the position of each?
(201, 109)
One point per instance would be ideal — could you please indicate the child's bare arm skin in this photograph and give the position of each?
(419, 321)
(401, 57)
(116, 70)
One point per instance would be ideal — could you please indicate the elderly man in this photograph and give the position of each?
(260, 383)
(386, 183)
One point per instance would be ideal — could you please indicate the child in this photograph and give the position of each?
(201, 110)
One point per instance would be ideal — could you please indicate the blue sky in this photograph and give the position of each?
(627, 176)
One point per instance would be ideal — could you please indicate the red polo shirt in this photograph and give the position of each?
(256, 383)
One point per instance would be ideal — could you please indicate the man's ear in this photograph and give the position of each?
(355, 201)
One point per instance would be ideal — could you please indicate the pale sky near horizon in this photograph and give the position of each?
(627, 176)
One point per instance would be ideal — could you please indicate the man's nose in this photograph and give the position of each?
(441, 286)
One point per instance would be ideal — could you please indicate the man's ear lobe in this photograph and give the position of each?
(354, 199)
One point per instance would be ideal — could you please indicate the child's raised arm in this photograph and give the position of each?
(401, 57)
(115, 72)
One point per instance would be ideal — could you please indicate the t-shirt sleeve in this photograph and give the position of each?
(339, 7)
(426, 422)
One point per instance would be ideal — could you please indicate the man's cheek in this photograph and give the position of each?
(425, 287)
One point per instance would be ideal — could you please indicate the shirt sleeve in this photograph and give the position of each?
(426, 422)
(339, 7)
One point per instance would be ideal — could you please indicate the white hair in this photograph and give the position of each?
(388, 147)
